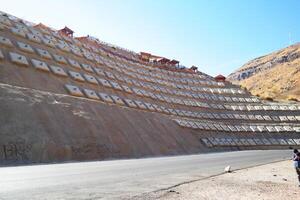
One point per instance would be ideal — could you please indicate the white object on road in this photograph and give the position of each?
(227, 169)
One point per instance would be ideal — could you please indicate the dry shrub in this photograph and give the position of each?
(268, 98)
(292, 98)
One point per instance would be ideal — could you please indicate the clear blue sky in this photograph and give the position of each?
(218, 36)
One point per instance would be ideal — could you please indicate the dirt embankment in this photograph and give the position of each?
(276, 181)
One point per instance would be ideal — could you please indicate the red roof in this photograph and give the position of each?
(220, 77)
(66, 31)
(40, 25)
(173, 62)
(144, 53)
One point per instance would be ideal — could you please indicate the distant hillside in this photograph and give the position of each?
(276, 75)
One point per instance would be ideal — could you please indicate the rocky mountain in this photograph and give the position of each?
(273, 76)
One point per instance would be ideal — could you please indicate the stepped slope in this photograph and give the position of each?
(77, 99)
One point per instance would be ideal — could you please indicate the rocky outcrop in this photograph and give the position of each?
(263, 63)
(275, 75)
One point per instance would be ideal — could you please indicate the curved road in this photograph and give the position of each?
(121, 178)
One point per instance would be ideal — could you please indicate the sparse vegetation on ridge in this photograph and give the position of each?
(276, 75)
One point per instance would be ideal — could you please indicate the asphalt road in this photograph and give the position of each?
(121, 178)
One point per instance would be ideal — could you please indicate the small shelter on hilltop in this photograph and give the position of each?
(220, 78)
(194, 68)
(66, 31)
(173, 62)
(145, 56)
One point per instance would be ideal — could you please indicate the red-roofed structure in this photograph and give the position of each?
(162, 61)
(66, 31)
(145, 56)
(173, 62)
(42, 26)
(194, 68)
(158, 60)
(220, 78)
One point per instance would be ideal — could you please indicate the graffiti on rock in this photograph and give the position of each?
(82, 149)
(85, 149)
(16, 151)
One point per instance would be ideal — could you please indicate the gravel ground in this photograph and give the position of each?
(276, 181)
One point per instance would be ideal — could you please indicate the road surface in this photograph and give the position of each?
(120, 178)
